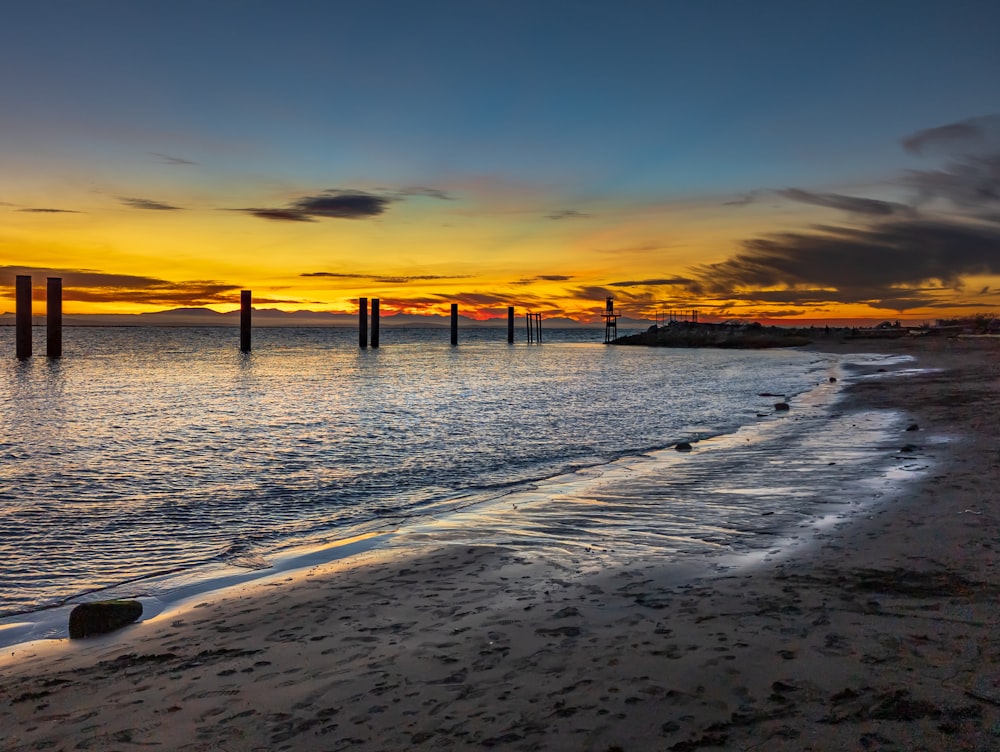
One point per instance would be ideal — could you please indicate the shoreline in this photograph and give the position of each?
(481, 519)
(878, 636)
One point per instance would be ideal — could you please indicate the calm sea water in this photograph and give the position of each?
(147, 451)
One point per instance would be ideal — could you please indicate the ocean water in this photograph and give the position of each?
(145, 455)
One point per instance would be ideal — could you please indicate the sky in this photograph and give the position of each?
(785, 162)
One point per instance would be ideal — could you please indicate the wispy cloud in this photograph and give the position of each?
(567, 214)
(852, 204)
(47, 210)
(421, 190)
(396, 279)
(542, 278)
(145, 203)
(167, 159)
(975, 134)
(663, 282)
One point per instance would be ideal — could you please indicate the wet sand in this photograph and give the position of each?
(881, 636)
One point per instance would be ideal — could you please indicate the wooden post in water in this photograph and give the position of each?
(245, 321)
(22, 316)
(53, 317)
(510, 325)
(362, 323)
(454, 323)
(374, 323)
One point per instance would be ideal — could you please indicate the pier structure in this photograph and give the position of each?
(665, 318)
(375, 305)
(246, 301)
(534, 322)
(22, 316)
(362, 323)
(510, 325)
(53, 317)
(610, 321)
(454, 323)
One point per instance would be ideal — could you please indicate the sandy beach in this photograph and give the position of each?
(880, 636)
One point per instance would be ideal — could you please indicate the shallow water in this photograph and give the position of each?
(144, 452)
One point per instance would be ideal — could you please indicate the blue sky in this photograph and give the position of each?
(515, 110)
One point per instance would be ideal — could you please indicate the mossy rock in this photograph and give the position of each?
(101, 617)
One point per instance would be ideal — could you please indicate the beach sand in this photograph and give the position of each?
(879, 636)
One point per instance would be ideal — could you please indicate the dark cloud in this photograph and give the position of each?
(567, 214)
(167, 159)
(894, 265)
(47, 210)
(94, 286)
(342, 205)
(279, 215)
(853, 204)
(652, 282)
(145, 203)
(332, 204)
(972, 135)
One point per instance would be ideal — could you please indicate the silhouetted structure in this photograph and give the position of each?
(245, 319)
(362, 323)
(510, 325)
(53, 317)
(610, 321)
(534, 328)
(374, 323)
(454, 323)
(22, 316)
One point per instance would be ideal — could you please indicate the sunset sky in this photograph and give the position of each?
(782, 161)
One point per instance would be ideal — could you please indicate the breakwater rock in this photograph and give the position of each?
(715, 335)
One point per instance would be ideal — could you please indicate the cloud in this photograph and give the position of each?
(331, 204)
(894, 256)
(745, 199)
(421, 190)
(896, 265)
(342, 205)
(402, 279)
(975, 134)
(281, 215)
(567, 214)
(145, 203)
(167, 159)
(542, 278)
(968, 183)
(50, 211)
(95, 286)
(669, 281)
(853, 204)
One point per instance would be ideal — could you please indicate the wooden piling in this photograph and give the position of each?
(53, 317)
(454, 323)
(22, 316)
(362, 323)
(374, 323)
(510, 325)
(245, 319)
